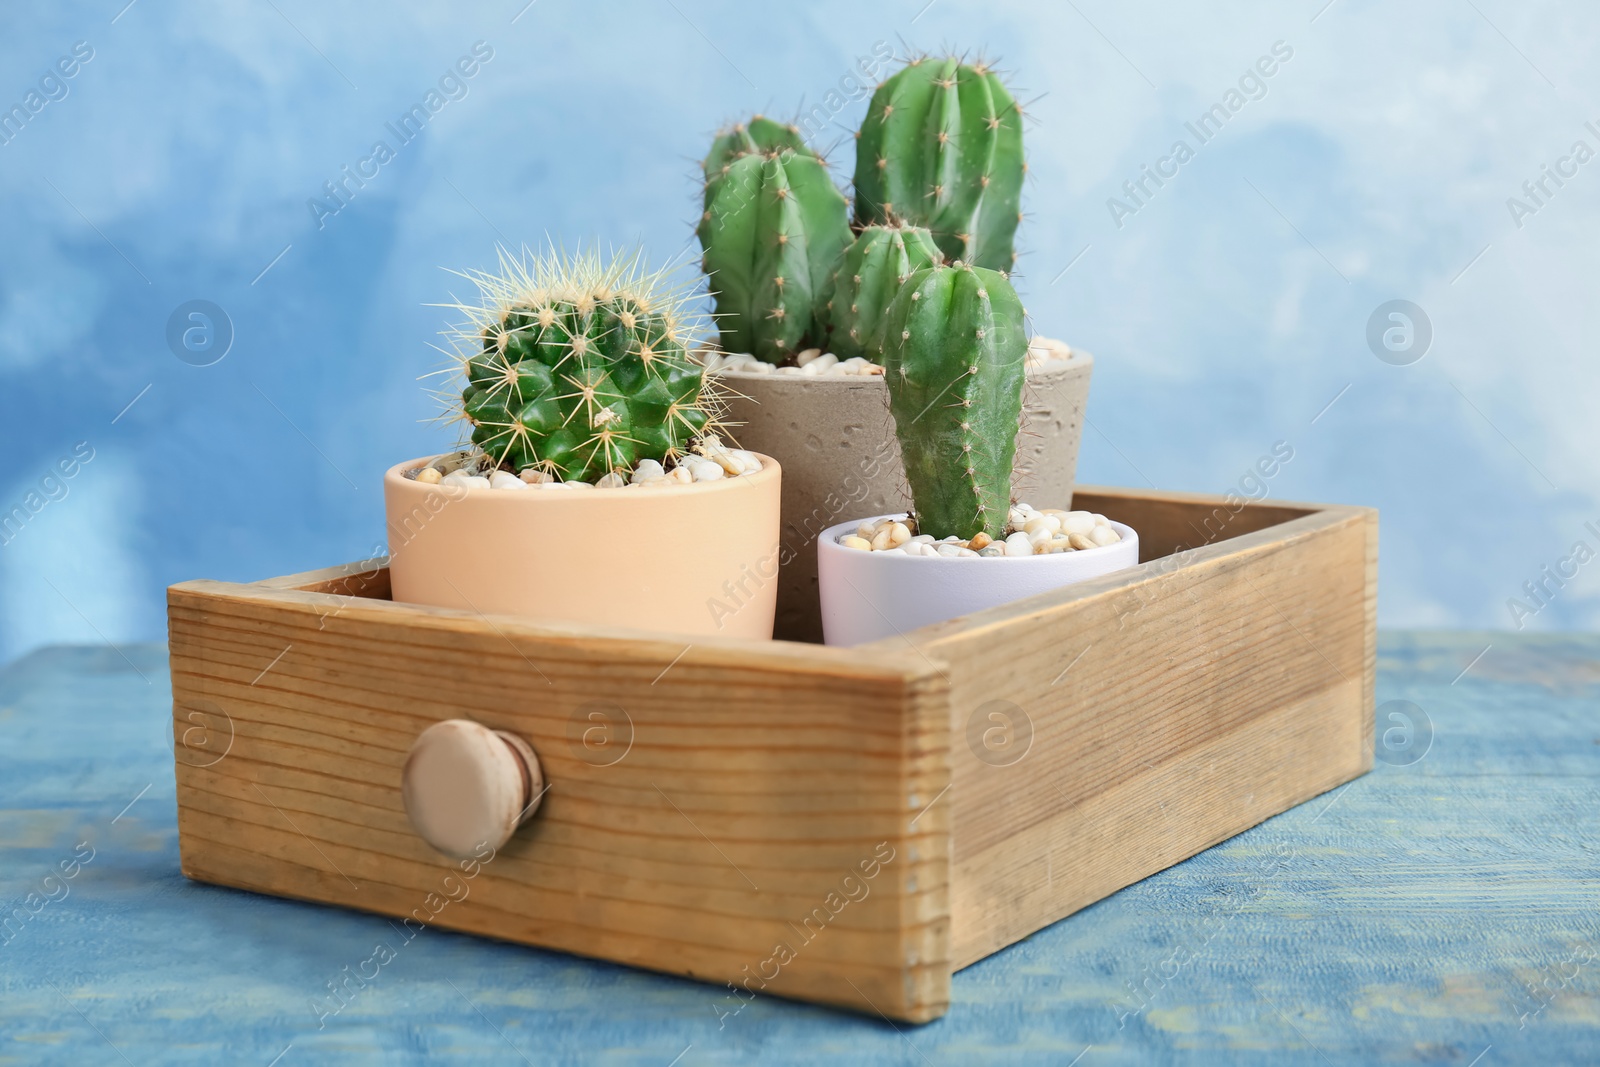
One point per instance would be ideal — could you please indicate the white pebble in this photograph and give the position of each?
(899, 533)
(1104, 535)
(648, 470)
(1078, 522)
(714, 452)
(506, 480)
(535, 476)
(613, 480)
(706, 471)
(996, 549)
(923, 539)
(1047, 523)
(1018, 544)
(880, 540)
(682, 474)
(463, 478)
(807, 356)
(861, 544)
(429, 476)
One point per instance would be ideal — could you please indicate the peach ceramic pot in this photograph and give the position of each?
(867, 596)
(689, 559)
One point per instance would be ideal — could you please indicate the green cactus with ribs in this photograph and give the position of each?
(954, 349)
(579, 366)
(871, 271)
(939, 168)
(759, 136)
(941, 147)
(773, 228)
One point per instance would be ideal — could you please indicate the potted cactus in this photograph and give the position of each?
(801, 285)
(954, 347)
(594, 486)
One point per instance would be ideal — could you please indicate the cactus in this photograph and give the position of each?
(941, 147)
(580, 367)
(760, 135)
(881, 258)
(954, 345)
(772, 231)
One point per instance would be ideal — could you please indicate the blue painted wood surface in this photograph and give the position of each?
(1443, 909)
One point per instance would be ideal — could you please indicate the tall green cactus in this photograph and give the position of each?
(954, 347)
(772, 232)
(758, 136)
(941, 147)
(580, 367)
(875, 265)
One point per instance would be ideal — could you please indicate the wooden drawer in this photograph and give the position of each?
(848, 826)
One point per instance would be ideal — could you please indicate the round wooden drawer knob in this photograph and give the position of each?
(465, 786)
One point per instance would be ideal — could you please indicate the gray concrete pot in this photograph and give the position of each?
(835, 439)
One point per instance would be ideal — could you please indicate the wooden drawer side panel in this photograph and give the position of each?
(765, 826)
(1152, 717)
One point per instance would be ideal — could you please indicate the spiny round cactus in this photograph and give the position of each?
(580, 367)
(772, 233)
(759, 136)
(941, 147)
(874, 267)
(954, 347)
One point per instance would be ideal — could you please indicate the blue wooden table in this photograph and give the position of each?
(1443, 909)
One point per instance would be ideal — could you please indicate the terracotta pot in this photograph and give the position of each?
(692, 559)
(835, 439)
(867, 596)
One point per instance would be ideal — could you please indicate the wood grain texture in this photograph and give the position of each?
(1435, 911)
(1168, 707)
(1165, 709)
(760, 778)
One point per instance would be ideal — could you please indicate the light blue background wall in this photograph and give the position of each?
(1225, 314)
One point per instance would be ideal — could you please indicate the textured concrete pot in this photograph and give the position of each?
(691, 559)
(835, 439)
(867, 596)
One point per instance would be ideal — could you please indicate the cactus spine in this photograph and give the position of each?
(759, 136)
(954, 346)
(772, 231)
(941, 147)
(875, 265)
(579, 367)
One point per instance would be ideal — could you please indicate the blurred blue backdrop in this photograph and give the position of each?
(1228, 308)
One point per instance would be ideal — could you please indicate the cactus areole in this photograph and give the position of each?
(773, 229)
(954, 348)
(874, 267)
(759, 136)
(941, 147)
(579, 367)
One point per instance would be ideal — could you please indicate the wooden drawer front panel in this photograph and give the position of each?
(765, 826)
